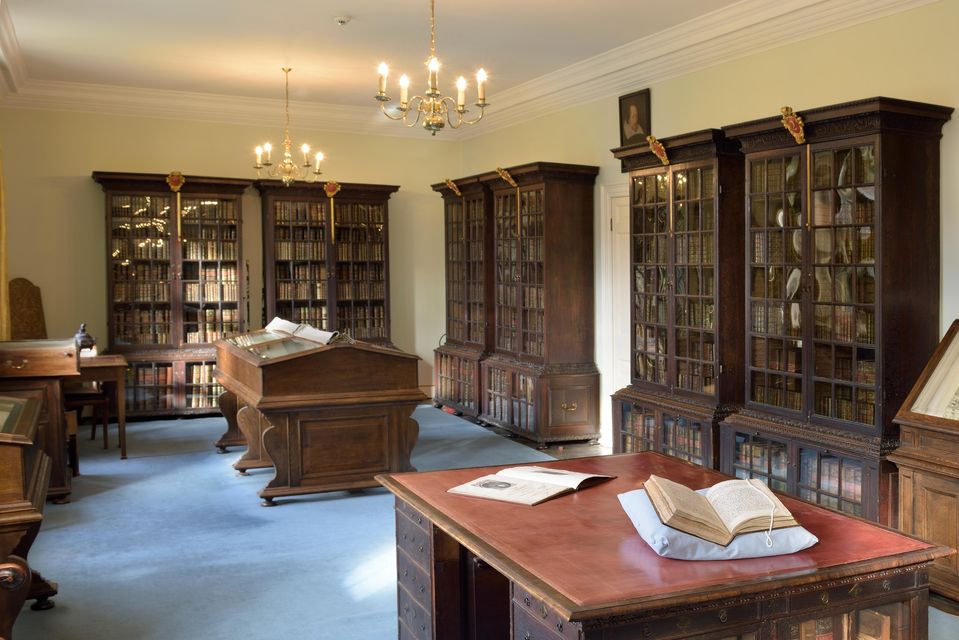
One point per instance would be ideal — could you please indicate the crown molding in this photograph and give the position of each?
(741, 29)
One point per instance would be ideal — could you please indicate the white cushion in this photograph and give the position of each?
(672, 543)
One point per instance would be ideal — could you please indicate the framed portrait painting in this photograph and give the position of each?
(634, 117)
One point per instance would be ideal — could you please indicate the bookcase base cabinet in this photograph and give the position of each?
(456, 379)
(835, 469)
(684, 428)
(553, 403)
(172, 383)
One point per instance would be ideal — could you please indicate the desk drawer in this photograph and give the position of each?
(528, 606)
(416, 619)
(414, 579)
(415, 516)
(528, 626)
(38, 358)
(851, 593)
(414, 540)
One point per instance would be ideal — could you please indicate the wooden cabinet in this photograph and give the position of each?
(33, 370)
(24, 478)
(469, 287)
(686, 325)
(842, 263)
(928, 460)
(176, 282)
(326, 256)
(540, 381)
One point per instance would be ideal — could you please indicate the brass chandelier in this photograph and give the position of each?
(436, 109)
(287, 170)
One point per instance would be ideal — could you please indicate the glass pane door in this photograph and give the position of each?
(300, 270)
(456, 271)
(531, 270)
(475, 276)
(507, 271)
(650, 237)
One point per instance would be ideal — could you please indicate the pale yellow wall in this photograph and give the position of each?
(56, 211)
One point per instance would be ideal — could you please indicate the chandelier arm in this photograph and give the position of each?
(387, 113)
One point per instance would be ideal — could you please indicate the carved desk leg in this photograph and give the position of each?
(252, 423)
(41, 590)
(276, 441)
(14, 586)
(231, 437)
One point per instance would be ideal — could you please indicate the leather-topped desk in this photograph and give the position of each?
(110, 369)
(575, 568)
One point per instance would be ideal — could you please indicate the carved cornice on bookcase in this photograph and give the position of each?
(812, 433)
(741, 29)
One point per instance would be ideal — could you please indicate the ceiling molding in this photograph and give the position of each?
(726, 34)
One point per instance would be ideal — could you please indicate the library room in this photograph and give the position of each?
(427, 320)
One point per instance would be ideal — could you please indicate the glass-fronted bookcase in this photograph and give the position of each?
(686, 232)
(541, 381)
(176, 283)
(467, 205)
(326, 256)
(842, 264)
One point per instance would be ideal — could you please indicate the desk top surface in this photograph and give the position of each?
(581, 552)
(107, 360)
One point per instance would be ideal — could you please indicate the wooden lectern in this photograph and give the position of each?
(326, 417)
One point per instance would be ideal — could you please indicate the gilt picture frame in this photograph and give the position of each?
(634, 120)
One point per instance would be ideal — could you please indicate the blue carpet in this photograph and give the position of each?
(172, 544)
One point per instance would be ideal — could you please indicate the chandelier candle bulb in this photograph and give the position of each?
(259, 155)
(404, 90)
(306, 154)
(461, 93)
(384, 71)
(268, 148)
(319, 159)
(481, 86)
(434, 67)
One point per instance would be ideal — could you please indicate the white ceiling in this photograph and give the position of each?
(221, 59)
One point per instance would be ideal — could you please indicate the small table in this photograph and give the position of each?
(112, 370)
(574, 568)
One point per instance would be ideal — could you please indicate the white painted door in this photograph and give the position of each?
(621, 272)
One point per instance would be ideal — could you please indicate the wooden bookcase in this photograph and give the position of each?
(176, 282)
(540, 382)
(928, 461)
(468, 208)
(335, 278)
(842, 265)
(686, 326)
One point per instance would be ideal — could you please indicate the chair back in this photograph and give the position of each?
(26, 311)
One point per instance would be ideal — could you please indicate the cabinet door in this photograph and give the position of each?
(776, 290)
(475, 269)
(210, 271)
(300, 273)
(360, 250)
(833, 480)
(650, 313)
(507, 276)
(140, 272)
(532, 303)
(758, 456)
(843, 231)
(457, 271)
(638, 428)
(149, 388)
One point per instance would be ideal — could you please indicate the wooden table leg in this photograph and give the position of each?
(121, 398)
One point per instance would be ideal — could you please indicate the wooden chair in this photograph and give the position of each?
(26, 311)
(76, 398)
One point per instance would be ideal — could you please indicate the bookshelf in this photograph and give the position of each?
(326, 259)
(540, 381)
(467, 204)
(842, 261)
(176, 283)
(686, 230)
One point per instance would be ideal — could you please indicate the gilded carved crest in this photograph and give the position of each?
(793, 124)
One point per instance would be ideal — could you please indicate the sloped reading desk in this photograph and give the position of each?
(574, 568)
(326, 417)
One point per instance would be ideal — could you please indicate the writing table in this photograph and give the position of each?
(575, 568)
(110, 370)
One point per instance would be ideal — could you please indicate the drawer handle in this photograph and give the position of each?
(572, 406)
(527, 636)
(824, 597)
(886, 585)
(722, 615)
(17, 365)
(526, 601)
(559, 626)
(543, 610)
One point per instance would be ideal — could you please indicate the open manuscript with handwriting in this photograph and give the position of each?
(527, 485)
(721, 512)
(305, 331)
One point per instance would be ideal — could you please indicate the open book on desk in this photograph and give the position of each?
(305, 331)
(720, 513)
(527, 485)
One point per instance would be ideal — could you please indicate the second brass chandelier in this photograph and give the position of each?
(433, 107)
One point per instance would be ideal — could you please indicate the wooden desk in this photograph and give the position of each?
(574, 568)
(112, 371)
(24, 479)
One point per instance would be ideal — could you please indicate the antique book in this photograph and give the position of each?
(720, 513)
(527, 485)
(305, 331)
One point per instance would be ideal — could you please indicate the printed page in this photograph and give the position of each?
(278, 325)
(569, 479)
(681, 508)
(313, 334)
(499, 487)
(737, 501)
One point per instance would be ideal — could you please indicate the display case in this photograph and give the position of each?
(842, 261)
(687, 241)
(176, 282)
(540, 381)
(928, 460)
(327, 417)
(326, 256)
(467, 206)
